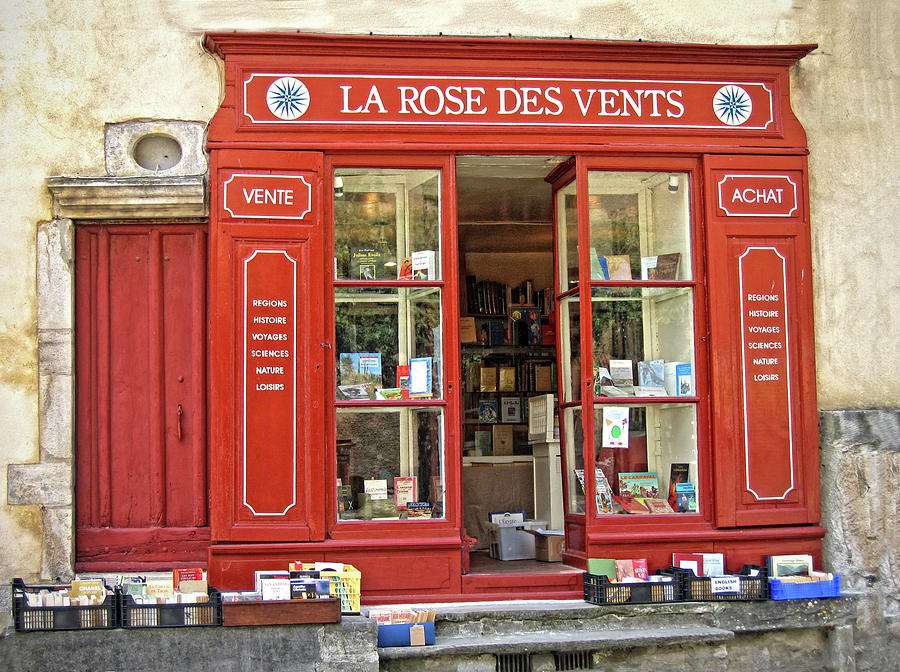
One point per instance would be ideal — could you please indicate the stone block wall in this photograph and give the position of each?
(860, 472)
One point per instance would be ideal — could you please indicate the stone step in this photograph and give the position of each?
(554, 641)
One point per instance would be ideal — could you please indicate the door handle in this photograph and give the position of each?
(178, 413)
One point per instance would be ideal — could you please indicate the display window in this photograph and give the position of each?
(390, 454)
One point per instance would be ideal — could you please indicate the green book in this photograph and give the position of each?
(601, 566)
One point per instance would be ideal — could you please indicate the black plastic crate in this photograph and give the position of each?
(752, 583)
(38, 619)
(134, 615)
(598, 589)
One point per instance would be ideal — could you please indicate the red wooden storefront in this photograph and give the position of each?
(301, 111)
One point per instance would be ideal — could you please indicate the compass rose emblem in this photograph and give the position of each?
(287, 98)
(732, 105)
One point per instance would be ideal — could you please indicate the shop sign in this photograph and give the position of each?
(269, 382)
(768, 432)
(758, 195)
(303, 98)
(249, 196)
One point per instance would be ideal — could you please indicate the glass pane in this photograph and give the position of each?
(388, 343)
(567, 225)
(574, 433)
(388, 458)
(643, 340)
(644, 452)
(570, 348)
(387, 224)
(639, 226)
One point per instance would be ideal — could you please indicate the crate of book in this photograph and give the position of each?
(598, 589)
(751, 584)
(344, 585)
(793, 589)
(543, 424)
(81, 605)
(159, 612)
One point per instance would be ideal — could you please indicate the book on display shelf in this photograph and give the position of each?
(678, 473)
(639, 483)
(618, 266)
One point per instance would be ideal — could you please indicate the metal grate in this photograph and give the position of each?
(513, 662)
(572, 660)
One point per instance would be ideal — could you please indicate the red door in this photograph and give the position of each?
(267, 347)
(140, 486)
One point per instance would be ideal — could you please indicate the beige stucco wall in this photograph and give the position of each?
(69, 67)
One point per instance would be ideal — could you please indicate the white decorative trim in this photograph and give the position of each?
(293, 390)
(787, 363)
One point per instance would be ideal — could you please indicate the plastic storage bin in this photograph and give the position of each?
(730, 588)
(598, 589)
(134, 615)
(803, 591)
(344, 586)
(36, 619)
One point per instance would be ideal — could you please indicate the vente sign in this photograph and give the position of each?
(301, 98)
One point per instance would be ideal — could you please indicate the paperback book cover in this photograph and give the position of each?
(366, 263)
(405, 491)
(678, 473)
(488, 411)
(511, 409)
(420, 377)
(359, 372)
(686, 496)
(639, 483)
(618, 266)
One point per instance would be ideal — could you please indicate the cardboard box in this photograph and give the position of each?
(548, 547)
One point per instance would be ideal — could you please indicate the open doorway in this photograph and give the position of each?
(509, 362)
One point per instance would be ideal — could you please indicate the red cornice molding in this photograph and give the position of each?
(306, 44)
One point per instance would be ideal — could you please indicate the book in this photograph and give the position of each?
(603, 494)
(367, 263)
(657, 505)
(602, 567)
(686, 497)
(525, 323)
(186, 574)
(420, 377)
(488, 382)
(261, 575)
(652, 373)
(602, 378)
(404, 271)
(506, 379)
(483, 444)
(639, 483)
(388, 393)
(678, 473)
(618, 266)
(713, 564)
(423, 266)
(488, 411)
(467, 333)
(503, 439)
(640, 568)
(418, 510)
(679, 380)
(640, 391)
(789, 565)
(511, 409)
(630, 504)
(275, 588)
(405, 491)
(621, 372)
(660, 267)
(543, 377)
(375, 488)
(624, 570)
(344, 498)
(691, 561)
(358, 371)
(615, 427)
(667, 266)
(403, 380)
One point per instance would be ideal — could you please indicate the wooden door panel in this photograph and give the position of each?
(141, 376)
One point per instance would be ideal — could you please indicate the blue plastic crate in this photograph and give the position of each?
(781, 590)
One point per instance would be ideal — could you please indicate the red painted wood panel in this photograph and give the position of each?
(267, 378)
(141, 405)
(761, 339)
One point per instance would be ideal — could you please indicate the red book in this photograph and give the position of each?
(691, 561)
(630, 504)
(189, 574)
(403, 380)
(640, 569)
